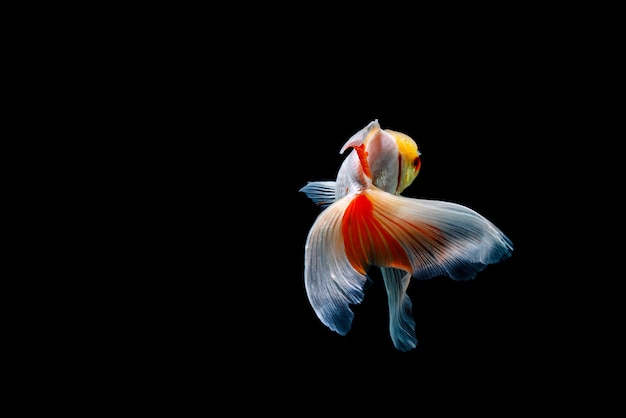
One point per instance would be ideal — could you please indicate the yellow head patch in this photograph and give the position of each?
(409, 156)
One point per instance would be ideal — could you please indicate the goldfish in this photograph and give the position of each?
(365, 222)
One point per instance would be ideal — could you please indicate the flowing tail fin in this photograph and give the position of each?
(332, 284)
(425, 238)
(437, 238)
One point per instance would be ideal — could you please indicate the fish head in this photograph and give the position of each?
(388, 159)
(409, 159)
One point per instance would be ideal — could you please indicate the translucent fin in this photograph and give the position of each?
(359, 138)
(322, 193)
(331, 283)
(401, 322)
(438, 238)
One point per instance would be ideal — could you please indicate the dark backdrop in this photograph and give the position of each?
(226, 225)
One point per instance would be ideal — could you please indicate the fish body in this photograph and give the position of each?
(365, 222)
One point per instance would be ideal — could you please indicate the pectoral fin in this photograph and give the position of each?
(322, 193)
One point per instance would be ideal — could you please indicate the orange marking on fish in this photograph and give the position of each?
(360, 150)
(367, 242)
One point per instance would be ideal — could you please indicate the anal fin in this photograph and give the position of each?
(401, 321)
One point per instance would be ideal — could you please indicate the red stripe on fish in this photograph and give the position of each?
(367, 242)
(360, 150)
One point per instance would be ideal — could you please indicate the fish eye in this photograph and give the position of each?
(416, 163)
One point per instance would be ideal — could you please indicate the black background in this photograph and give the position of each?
(217, 298)
(228, 298)
(194, 131)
